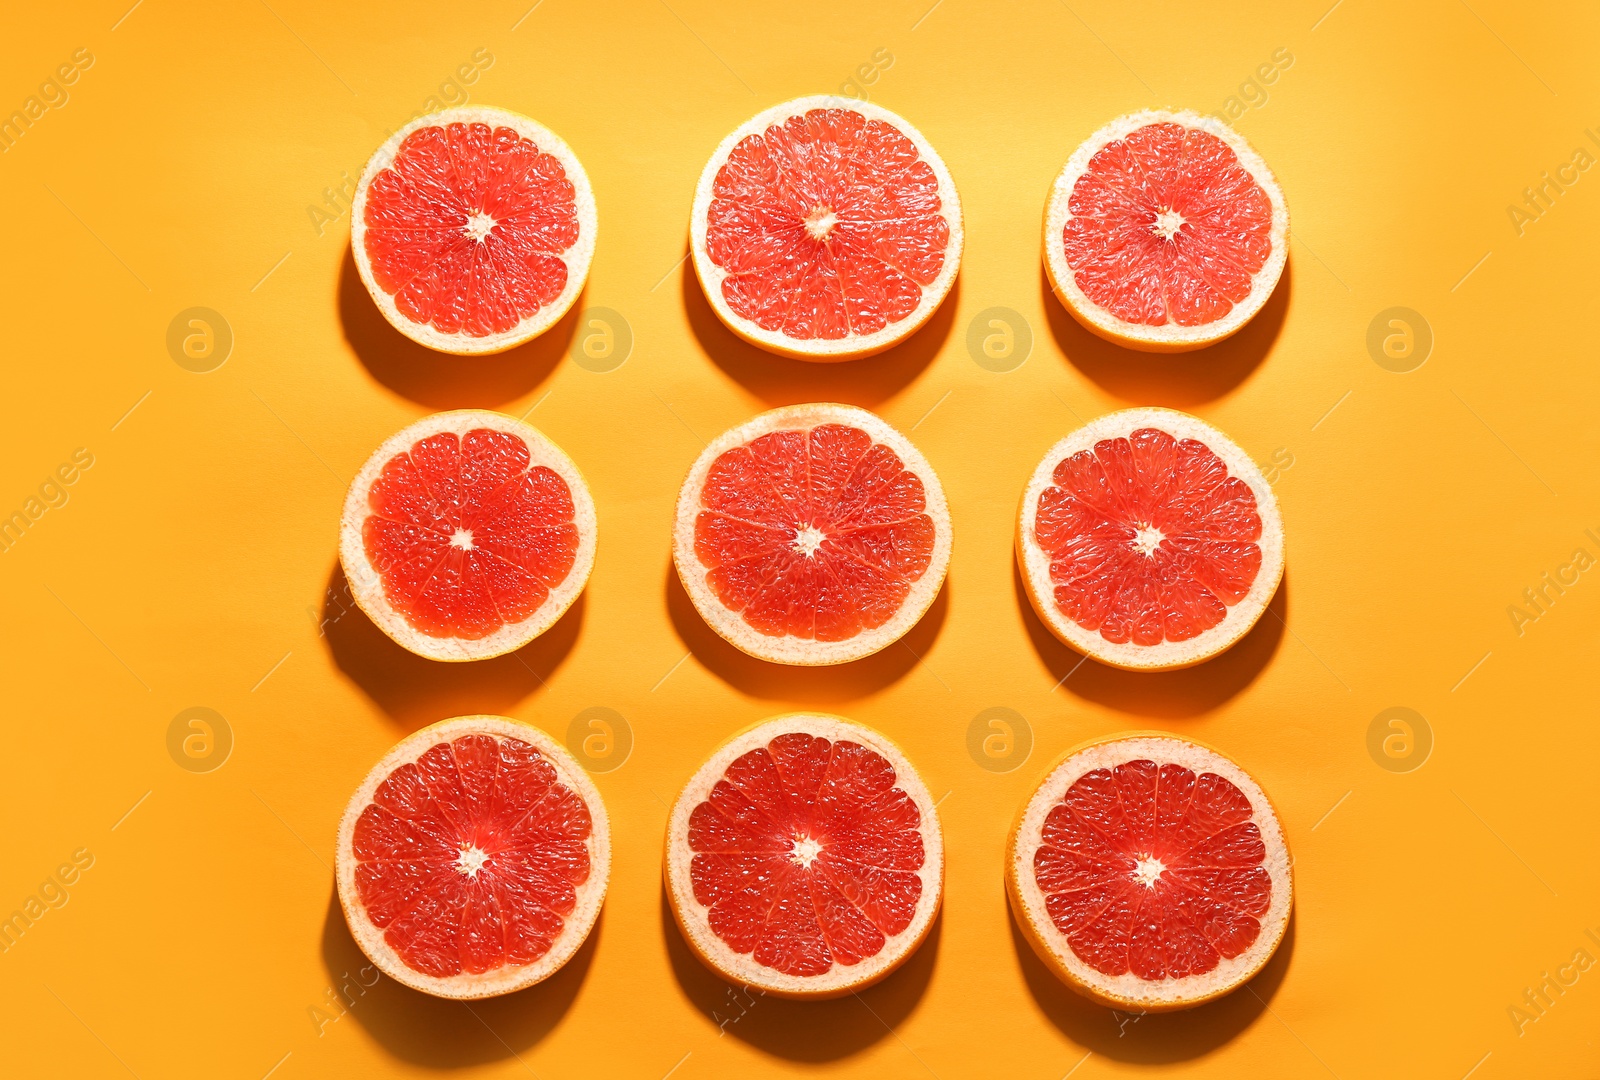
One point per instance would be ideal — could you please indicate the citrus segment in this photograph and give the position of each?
(805, 857)
(1150, 872)
(1165, 231)
(826, 228)
(812, 534)
(473, 229)
(473, 859)
(1149, 540)
(467, 535)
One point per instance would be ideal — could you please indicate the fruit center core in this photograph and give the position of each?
(1147, 538)
(461, 538)
(1147, 870)
(807, 539)
(479, 224)
(1168, 222)
(820, 222)
(805, 851)
(471, 860)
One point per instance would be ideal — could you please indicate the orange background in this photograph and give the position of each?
(191, 563)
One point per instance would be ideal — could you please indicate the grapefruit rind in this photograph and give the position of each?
(577, 257)
(367, 587)
(854, 346)
(577, 925)
(806, 652)
(1168, 337)
(1129, 992)
(692, 917)
(1241, 617)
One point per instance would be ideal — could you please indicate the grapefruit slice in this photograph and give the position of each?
(805, 858)
(473, 859)
(1150, 873)
(467, 535)
(813, 534)
(473, 229)
(1149, 541)
(825, 228)
(1165, 232)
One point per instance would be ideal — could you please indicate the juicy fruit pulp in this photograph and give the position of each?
(465, 536)
(1167, 227)
(466, 227)
(1153, 870)
(815, 534)
(807, 854)
(1150, 538)
(828, 225)
(469, 857)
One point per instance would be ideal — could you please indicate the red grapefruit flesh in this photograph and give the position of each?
(1148, 540)
(826, 229)
(467, 535)
(805, 858)
(473, 229)
(1150, 873)
(1165, 231)
(813, 534)
(473, 859)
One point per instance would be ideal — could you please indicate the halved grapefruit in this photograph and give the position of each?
(812, 534)
(1148, 540)
(826, 228)
(1150, 873)
(467, 535)
(473, 859)
(473, 229)
(1165, 231)
(804, 858)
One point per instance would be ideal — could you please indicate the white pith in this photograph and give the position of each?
(1147, 871)
(1035, 563)
(820, 223)
(478, 226)
(576, 925)
(1128, 991)
(366, 586)
(693, 918)
(807, 539)
(1147, 538)
(577, 257)
(471, 860)
(1168, 337)
(805, 851)
(788, 649)
(1168, 222)
(851, 346)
